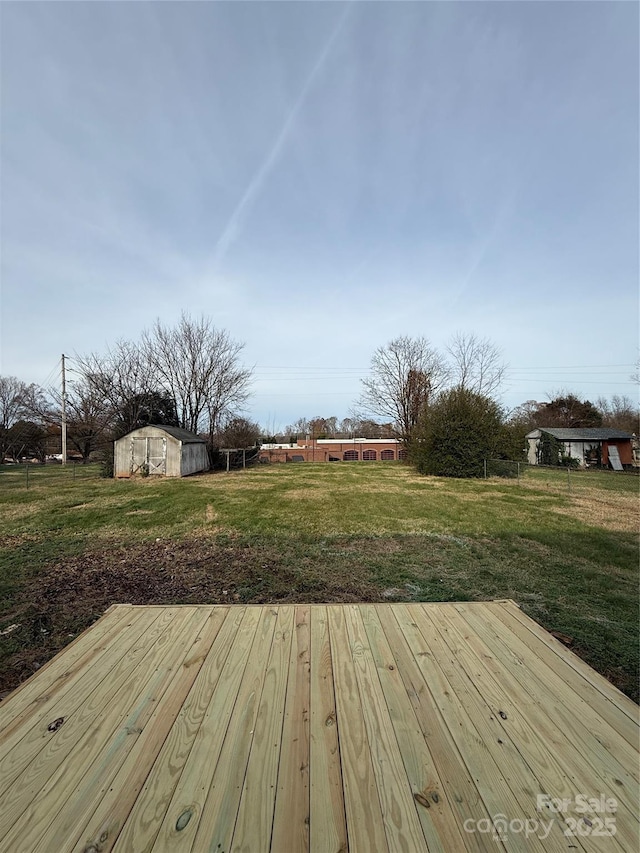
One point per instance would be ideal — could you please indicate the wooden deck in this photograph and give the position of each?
(374, 728)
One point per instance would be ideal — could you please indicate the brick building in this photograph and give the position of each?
(334, 450)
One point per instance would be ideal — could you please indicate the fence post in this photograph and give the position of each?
(244, 458)
(518, 475)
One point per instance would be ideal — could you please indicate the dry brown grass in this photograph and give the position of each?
(210, 514)
(617, 512)
(596, 507)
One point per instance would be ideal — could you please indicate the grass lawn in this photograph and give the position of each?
(346, 532)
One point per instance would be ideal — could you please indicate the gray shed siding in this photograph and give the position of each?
(163, 454)
(194, 458)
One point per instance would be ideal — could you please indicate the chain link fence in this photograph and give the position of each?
(557, 477)
(25, 475)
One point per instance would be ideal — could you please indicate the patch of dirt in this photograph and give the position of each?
(15, 540)
(65, 597)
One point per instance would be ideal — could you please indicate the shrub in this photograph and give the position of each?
(107, 464)
(550, 450)
(456, 434)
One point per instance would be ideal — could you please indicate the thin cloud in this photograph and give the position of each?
(233, 226)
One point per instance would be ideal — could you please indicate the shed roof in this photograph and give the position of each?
(182, 435)
(586, 434)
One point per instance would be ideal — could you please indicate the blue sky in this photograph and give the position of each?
(320, 178)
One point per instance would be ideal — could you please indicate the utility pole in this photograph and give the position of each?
(64, 415)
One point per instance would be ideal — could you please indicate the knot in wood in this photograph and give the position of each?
(420, 798)
(183, 820)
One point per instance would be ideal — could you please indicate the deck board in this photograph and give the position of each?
(328, 828)
(316, 729)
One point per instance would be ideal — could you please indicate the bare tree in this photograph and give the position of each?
(89, 417)
(198, 366)
(476, 364)
(405, 375)
(300, 428)
(347, 426)
(620, 413)
(238, 433)
(331, 426)
(124, 380)
(14, 398)
(318, 427)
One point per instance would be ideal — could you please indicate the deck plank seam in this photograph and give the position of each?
(161, 745)
(410, 709)
(173, 797)
(114, 726)
(566, 656)
(325, 620)
(307, 609)
(231, 716)
(439, 713)
(470, 725)
(257, 713)
(170, 685)
(482, 699)
(396, 742)
(555, 687)
(228, 725)
(452, 744)
(286, 694)
(337, 691)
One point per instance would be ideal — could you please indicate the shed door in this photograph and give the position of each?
(157, 455)
(138, 454)
(148, 455)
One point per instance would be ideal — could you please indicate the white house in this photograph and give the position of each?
(590, 446)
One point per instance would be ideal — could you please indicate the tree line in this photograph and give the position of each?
(439, 403)
(189, 375)
(444, 408)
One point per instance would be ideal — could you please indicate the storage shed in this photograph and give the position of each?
(158, 450)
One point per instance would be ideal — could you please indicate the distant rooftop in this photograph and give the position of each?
(356, 440)
(582, 434)
(309, 442)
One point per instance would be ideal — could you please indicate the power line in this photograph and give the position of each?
(368, 367)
